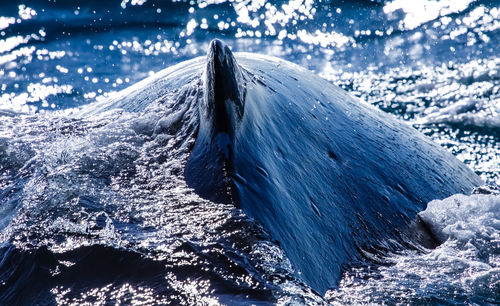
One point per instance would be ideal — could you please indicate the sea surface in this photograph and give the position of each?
(96, 211)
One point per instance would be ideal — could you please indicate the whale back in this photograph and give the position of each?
(328, 175)
(325, 174)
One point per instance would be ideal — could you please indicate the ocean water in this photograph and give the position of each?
(96, 211)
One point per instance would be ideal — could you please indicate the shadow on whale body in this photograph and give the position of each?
(325, 174)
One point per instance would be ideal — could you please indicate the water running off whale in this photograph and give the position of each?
(326, 175)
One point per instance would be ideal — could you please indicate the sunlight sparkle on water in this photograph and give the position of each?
(419, 12)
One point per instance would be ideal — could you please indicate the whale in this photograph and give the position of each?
(326, 175)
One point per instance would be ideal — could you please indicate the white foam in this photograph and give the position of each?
(465, 267)
(464, 218)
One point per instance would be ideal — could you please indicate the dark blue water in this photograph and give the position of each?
(96, 211)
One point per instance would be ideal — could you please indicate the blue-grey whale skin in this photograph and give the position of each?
(325, 174)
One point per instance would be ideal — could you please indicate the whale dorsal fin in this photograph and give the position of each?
(210, 167)
(224, 90)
